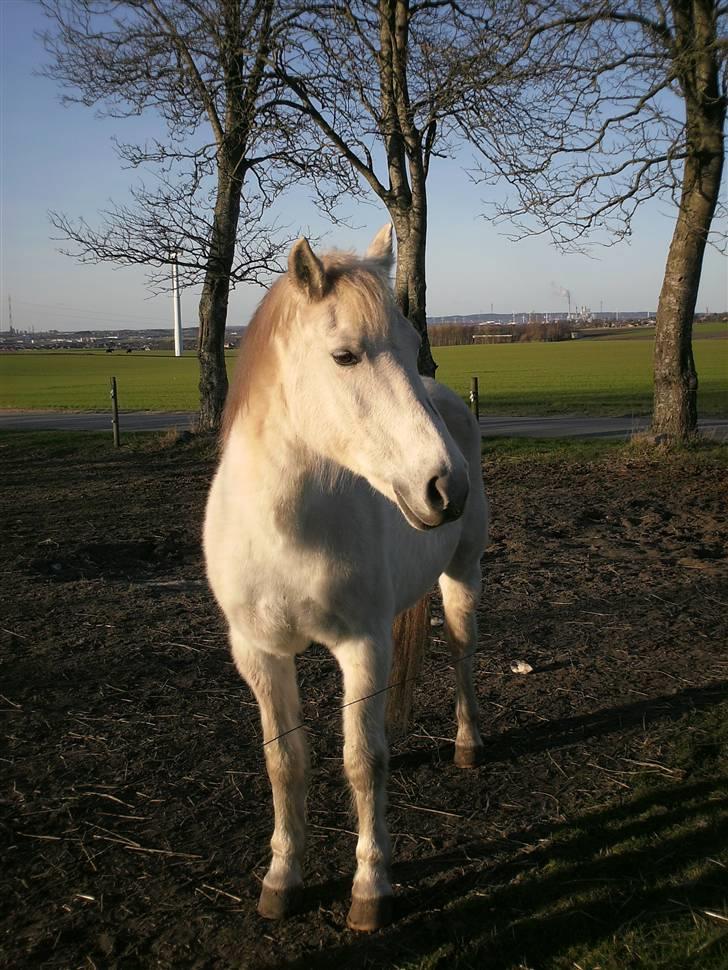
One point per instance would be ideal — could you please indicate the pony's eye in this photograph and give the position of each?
(345, 358)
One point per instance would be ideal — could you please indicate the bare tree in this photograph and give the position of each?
(629, 104)
(202, 65)
(383, 81)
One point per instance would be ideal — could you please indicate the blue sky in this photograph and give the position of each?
(62, 158)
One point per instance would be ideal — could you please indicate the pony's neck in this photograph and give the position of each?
(265, 438)
(267, 445)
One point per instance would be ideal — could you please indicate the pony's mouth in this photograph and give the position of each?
(411, 516)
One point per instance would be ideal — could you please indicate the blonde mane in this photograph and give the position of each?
(358, 286)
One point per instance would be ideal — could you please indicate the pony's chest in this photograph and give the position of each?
(319, 564)
(288, 580)
(284, 602)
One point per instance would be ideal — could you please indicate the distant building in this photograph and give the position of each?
(492, 338)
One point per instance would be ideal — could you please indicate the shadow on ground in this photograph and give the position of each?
(622, 875)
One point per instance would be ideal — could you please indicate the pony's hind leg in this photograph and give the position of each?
(459, 599)
(365, 666)
(273, 681)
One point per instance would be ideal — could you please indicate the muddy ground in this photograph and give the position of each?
(135, 808)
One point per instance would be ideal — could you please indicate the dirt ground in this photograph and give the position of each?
(135, 810)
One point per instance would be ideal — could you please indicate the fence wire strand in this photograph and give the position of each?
(366, 697)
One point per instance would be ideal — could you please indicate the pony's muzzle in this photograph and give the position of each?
(443, 501)
(447, 495)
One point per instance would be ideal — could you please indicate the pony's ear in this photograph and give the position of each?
(380, 247)
(306, 270)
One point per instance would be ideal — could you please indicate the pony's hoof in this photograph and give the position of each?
(369, 915)
(468, 757)
(279, 903)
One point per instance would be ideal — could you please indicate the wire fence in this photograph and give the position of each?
(383, 690)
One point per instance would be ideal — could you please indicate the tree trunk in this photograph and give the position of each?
(214, 301)
(675, 404)
(409, 284)
(407, 196)
(675, 407)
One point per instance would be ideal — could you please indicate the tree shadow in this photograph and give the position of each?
(565, 731)
(574, 884)
(544, 889)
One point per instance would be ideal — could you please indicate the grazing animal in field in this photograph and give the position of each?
(347, 486)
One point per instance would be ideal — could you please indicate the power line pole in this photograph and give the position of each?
(178, 345)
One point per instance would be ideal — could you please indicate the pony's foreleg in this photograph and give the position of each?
(273, 681)
(459, 599)
(365, 666)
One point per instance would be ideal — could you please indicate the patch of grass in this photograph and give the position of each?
(639, 884)
(552, 449)
(710, 328)
(58, 444)
(83, 446)
(701, 448)
(603, 449)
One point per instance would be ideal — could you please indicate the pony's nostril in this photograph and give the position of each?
(436, 493)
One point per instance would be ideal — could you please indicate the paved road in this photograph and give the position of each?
(94, 421)
(565, 426)
(525, 427)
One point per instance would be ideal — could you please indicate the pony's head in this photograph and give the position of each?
(333, 349)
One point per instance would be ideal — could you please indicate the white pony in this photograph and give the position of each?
(347, 486)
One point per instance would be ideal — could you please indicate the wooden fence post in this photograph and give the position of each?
(474, 398)
(115, 413)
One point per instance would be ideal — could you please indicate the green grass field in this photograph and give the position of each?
(701, 330)
(579, 376)
(79, 381)
(575, 377)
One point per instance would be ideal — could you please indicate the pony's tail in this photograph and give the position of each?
(409, 632)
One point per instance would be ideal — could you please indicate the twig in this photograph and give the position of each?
(649, 764)
(719, 916)
(611, 773)
(222, 892)
(42, 838)
(333, 828)
(185, 646)
(100, 794)
(127, 843)
(12, 633)
(166, 852)
(421, 808)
